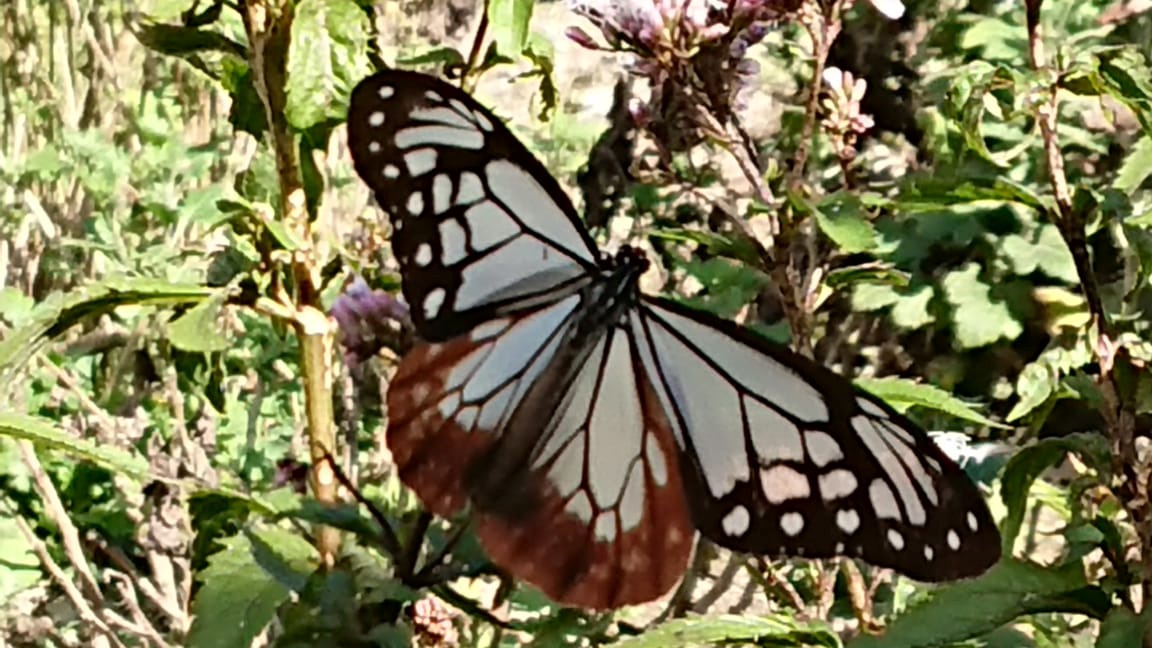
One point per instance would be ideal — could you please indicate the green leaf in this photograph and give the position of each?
(508, 21)
(61, 311)
(902, 393)
(199, 330)
(43, 433)
(244, 584)
(1044, 250)
(972, 608)
(1035, 385)
(20, 568)
(1029, 463)
(327, 58)
(844, 222)
(978, 320)
(1136, 167)
(1124, 629)
(776, 630)
(911, 311)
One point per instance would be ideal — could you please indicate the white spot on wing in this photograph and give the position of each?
(438, 136)
(606, 526)
(470, 189)
(871, 408)
(489, 329)
(631, 505)
(895, 539)
(442, 115)
(415, 203)
(836, 484)
(441, 193)
(822, 448)
(928, 552)
(432, 95)
(466, 419)
(391, 171)
(883, 501)
(373, 146)
(953, 540)
(737, 521)
(423, 255)
(432, 302)
(386, 92)
(972, 523)
(782, 483)
(420, 161)
(580, 507)
(848, 520)
(774, 437)
(482, 120)
(792, 523)
(376, 119)
(567, 473)
(655, 458)
(452, 240)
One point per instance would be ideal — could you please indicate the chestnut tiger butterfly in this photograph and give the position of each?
(592, 429)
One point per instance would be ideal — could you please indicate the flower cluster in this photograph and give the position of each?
(366, 318)
(843, 120)
(692, 52)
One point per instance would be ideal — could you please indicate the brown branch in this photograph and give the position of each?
(1131, 481)
(268, 24)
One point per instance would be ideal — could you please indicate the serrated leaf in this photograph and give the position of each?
(902, 393)
(44, 433)
(60, 311)
(1029, 463)
(776, 630)
(327, 58)
(973, 608)
(978, 320)
(244, 584)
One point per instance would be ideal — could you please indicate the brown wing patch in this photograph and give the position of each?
(561, 554)
(551, 545)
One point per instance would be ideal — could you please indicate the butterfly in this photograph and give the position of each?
(593, 430)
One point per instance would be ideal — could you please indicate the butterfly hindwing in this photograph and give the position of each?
(783, 457)
(480, 225)
(595, 514)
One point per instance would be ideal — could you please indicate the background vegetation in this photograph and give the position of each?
(952, 206)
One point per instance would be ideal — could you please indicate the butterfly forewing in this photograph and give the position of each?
(595, 517)
(784, 457)
(480, 227)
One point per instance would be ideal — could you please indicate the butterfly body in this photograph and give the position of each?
(592, 429)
